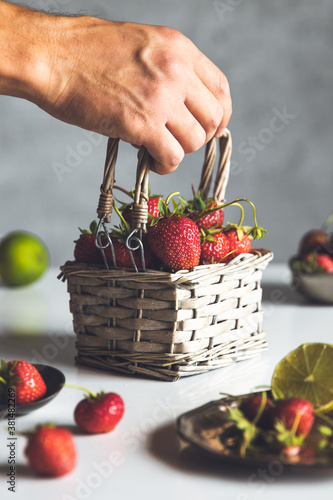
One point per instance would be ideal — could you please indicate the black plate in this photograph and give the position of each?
(54, 380)
(206, 426)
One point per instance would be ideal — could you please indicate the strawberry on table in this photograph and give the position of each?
(25, 378)
(99, 413)
(51, 451)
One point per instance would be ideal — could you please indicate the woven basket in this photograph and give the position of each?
(167, 325)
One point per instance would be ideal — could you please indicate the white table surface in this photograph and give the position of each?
(141, 458)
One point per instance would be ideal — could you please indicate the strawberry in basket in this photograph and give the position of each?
(174, 238)
(85, 249)
(240, 236)
(152, 205)
(204, 212)
(119, 235)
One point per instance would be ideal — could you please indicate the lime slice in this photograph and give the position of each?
(306, 372)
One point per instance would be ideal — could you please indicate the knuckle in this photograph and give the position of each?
(223, 85)
(197, 138)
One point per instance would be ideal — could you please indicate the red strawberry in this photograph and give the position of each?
(119, 236)
(238, 243)
(98, 413)
(85, 248)
(214, 218)
(153, 209)
(295, 413)
(198, 207)
(176, 242)
(51, 451)
(318, 262)
(122, 254)
(251, 407)
(29, 384)
(214, 246)
(313, 240)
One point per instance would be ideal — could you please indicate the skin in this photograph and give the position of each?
(147, 85)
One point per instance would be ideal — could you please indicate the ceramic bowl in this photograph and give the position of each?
(54, 380)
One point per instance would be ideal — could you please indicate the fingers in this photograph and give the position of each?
(218, 85)
(206, 109)
(166, 151)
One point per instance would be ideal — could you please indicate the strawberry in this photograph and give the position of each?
(296, 415)
(51, 451)
(240, 236)
(313, 240)
(119, 235)
(316, 262)
(122, 254)
(85, 248)
(152, 206)
(256, 409)
(174, 239)
(99, 413)
(29, 384)
(214, 246)
(198, 207)
(238, 243)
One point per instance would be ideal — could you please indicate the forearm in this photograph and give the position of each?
(147, 85)
(23, 60)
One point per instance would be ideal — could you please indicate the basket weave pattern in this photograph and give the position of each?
(166, 325)
(160, 324)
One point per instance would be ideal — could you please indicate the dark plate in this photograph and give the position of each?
(54, 380)
(206, 427)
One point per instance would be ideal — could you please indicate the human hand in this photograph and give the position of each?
(147, 85)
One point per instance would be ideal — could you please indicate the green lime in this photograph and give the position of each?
(23, 258)
(306, 373)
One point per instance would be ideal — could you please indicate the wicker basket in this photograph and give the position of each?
(167, 325)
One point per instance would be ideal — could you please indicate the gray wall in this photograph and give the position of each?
(278, 58)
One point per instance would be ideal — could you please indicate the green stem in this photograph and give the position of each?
(170, 196)
(125, 224)
(72, 386)
(327, 222)
(261, 407)
(326, 418)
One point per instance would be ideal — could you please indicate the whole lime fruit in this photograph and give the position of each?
(23, 258)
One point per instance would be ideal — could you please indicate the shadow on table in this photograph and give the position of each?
(165, 446)
(277, 294)
(44, 348)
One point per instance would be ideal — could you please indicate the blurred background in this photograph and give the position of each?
(278, 59)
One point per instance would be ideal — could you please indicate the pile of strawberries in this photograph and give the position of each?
(261, 423)
(189, 234)
(50, 449)
(315, 251)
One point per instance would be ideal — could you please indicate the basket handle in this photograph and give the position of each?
(140, 206)
(105, 203)
(223, 170)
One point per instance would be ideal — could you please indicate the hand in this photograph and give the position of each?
(146, 85)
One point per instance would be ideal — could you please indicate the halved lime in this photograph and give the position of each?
(307, 372)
